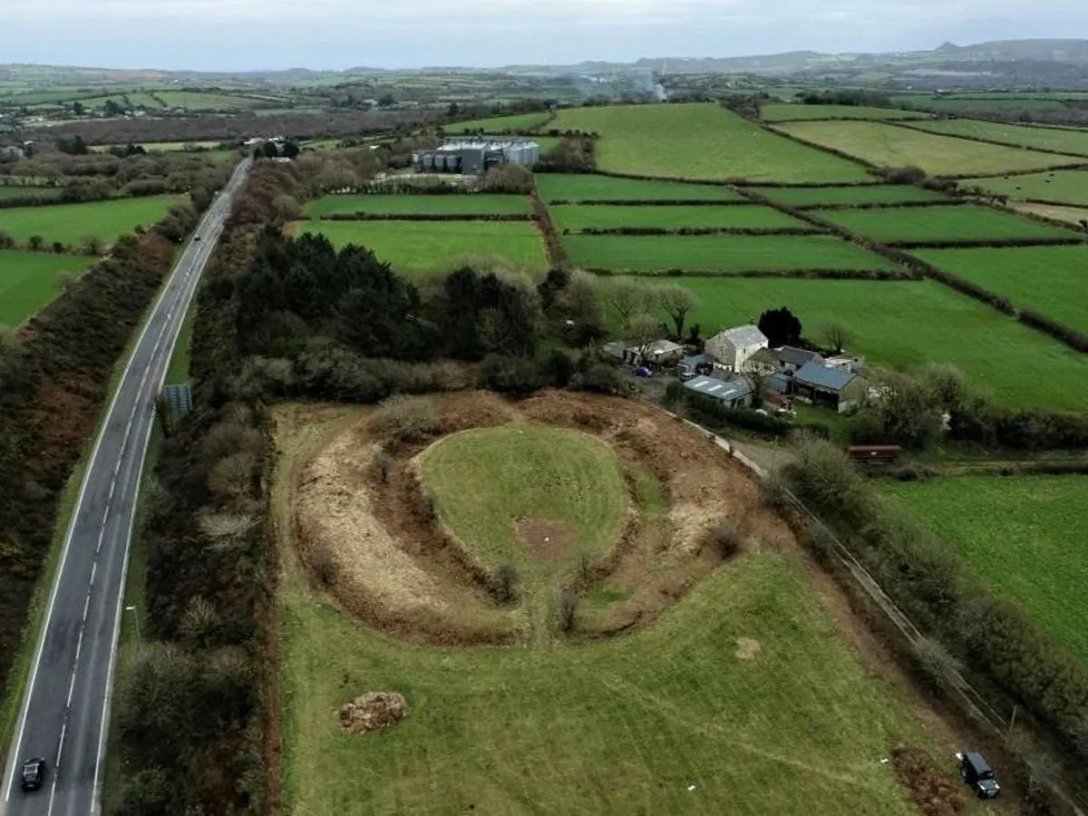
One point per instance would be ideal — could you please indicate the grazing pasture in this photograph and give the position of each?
(446, 205)
(790, 112)
(29, 280)
(499, 124)
(429, 248)
(700, 141)
(574, 217)
(1058, 186)
(906, 325)
(840, 196)
(1062, 140)
(719, 253)
(1051, 280)
(71, 223)
(965, 222)
(979, 106)
(589, 187)
(1076, 216)
(1023, 536)
(886, 145)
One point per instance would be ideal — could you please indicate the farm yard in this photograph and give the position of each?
(608, 216)
(1050, 280)
(29, 280)
(444, 205)
(1058, 186)
(429, 248)
(888, 145)
(1023, 534)
(71, 223)
(700, 141)
(750, 661)
(944, 224)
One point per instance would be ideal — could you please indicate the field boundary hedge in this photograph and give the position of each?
(687, 231)
(557, 253)
(809, 273)
(647, 202)
(982, 243)
(362, 216)
(1068, 335)
(887, 205)
(907, 126)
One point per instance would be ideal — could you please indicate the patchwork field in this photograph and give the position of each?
(499, 124)
(1076, 216)
(451, 205)
(965, 222)
(29, 280)
(786, 113)
(1022, 535)
(608, 216)
(700, 141)
(1063, 140)
(887, 145)
(1059, 186)
(71, 223)
(980, 106)
(588, 187)
(719, 253)
(749, 664)
(905, 325)
(1050, 280)
(426, 248)
(837, 196)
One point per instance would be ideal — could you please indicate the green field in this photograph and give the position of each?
(71, 223)
(520, 472)
(499, 124)
(12, 191)
(610, 216)
(1063, 140)
(905, 325)
(388, 204)
(891, 146)
(964, 222)
(1020, 535)
(786, 113)
(666, 720)
(718, 253)
(1059, 186)
(588, 187)
(29, 280)
(978, 106)
(1051, 280)
(864, 194)
(428, 248)
(1077, 216)
(700, 141)
(198, 101)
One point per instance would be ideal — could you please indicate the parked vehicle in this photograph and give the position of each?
(977, 773)
(643, 371)
(33, 774)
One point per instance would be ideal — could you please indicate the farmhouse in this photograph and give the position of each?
(837, 388)
(734, 393)
(733, 348)
(476, 156)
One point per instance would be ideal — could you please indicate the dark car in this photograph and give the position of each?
(977, 773)
(33, 774)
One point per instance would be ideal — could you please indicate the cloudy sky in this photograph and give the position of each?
(260, 34)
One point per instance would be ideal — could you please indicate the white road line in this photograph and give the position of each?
(86, 606)
(60, 749)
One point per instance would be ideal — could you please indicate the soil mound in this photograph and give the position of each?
(748, 649)
(373, 711)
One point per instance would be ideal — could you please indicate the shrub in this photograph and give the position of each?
(725, 538)
(518, 376)
(568, 611)
(504, 584)
(407, 419)
(600, 378)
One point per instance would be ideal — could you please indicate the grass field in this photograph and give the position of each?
(718, 253)
(905, 325)
(523, 472)
(198, 100)
(966, 222)
(29, 280)
(610, 216)
(424, 249)
(588, 187)
(1077, 216)
(1020, 535)
(11, 191)
(981, 106)
(883, 144)
(1060, 186)
(1063, 140)
(700, 141)
(786, 113)
(499, 124)
(1050, 280)
(865, 194)
(71, 223)
(475, 204)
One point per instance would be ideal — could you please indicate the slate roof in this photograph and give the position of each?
(723, 390)
(744, 336)
(697, 360)
(795, 356)
(830, 379)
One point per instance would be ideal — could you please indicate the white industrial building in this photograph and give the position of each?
(476, 156)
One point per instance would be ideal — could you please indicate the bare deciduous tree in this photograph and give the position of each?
(676, 302)
(624, 299)
(836, 336)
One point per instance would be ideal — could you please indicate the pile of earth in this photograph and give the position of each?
(373, 711)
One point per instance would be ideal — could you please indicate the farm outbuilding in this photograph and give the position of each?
(837, 388)
(476, 156)
(733, 348)
(734, 393)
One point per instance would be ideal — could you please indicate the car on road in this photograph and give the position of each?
(196, 237)
(977, 773)
(33, 774)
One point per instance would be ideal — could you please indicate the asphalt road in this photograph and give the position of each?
(65, 713)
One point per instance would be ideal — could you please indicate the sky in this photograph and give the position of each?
(237, 35)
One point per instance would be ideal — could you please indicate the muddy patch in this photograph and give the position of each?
(373, 711)
(548, 540)
(929, 788)
(747, 650)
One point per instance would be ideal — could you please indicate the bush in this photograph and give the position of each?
(600, 378)
(504, 584)
(517, 376)
(725, 539)
(407, 419)
(568, 611)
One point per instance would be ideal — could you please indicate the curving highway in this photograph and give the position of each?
(65, 711)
